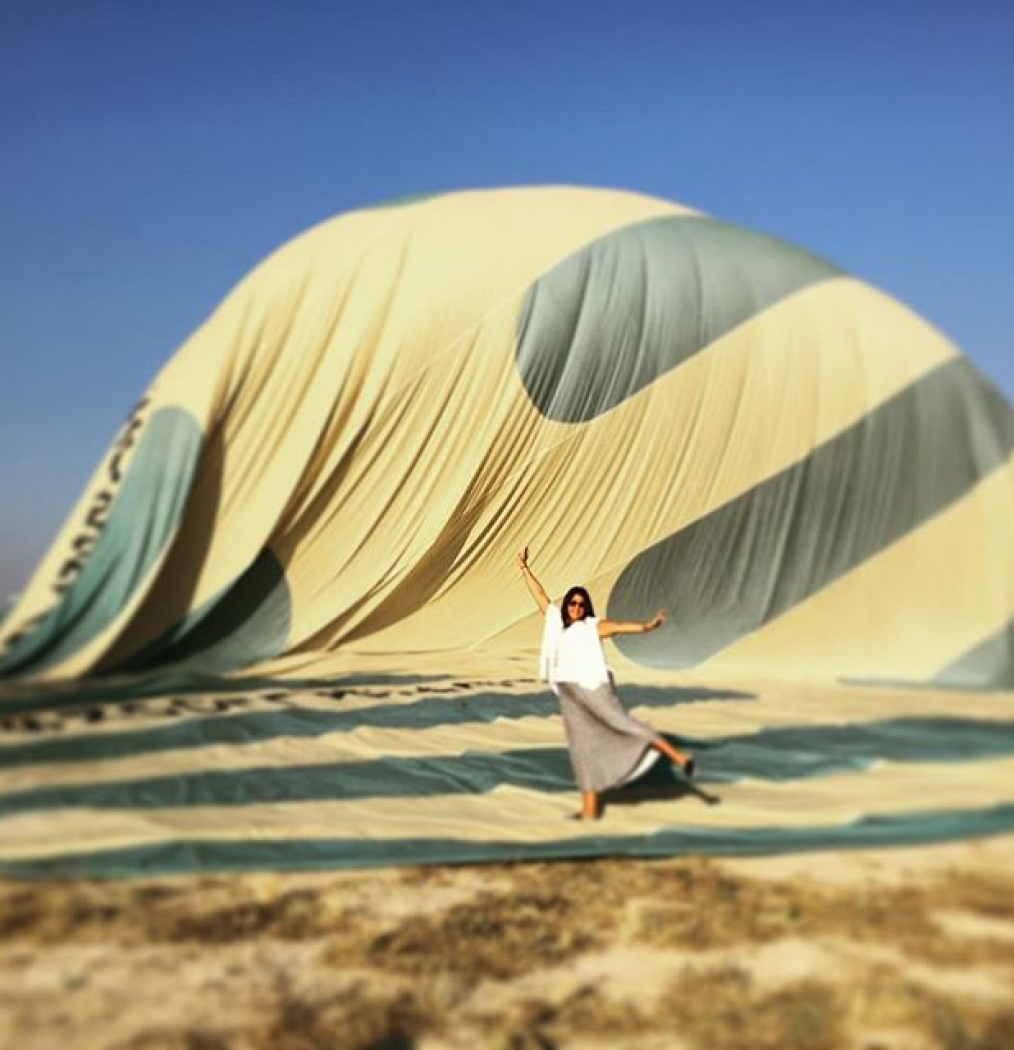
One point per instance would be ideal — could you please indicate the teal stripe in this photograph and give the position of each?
(307, 722)
(991, 661)
(142, 520)
(774, 755)
(631, 306)
(402, 202)
(763, 553)
(190, 857)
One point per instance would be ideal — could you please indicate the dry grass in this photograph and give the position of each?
(497, 935)
(492, 957)
(723, 1008)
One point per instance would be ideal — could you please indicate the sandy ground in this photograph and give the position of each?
(905, 949)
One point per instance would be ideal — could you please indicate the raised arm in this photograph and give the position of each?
(538, 591)
(607, 628)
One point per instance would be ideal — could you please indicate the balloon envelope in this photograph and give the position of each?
(671, 410)
(295, 569)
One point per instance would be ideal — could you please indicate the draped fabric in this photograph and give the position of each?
(324, 488)
(668, 409)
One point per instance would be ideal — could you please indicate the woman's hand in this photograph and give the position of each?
(608, 628)
(536, 588)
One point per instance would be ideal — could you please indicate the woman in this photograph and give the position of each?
(607, 746)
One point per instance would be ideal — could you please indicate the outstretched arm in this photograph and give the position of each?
(538, 591)
(607, 628)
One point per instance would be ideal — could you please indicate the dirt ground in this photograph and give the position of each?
(889, 950)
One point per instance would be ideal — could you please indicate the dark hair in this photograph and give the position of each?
(576, 592)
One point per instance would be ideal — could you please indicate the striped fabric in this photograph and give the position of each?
(323, 490)
(435, 774)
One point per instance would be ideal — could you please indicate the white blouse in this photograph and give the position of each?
(572, 654)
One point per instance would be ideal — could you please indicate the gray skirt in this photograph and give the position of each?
(607, 746)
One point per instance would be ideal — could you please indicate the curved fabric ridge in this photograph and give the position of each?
(247, 624)
(142, 519)
(758, 556)
(611, 319)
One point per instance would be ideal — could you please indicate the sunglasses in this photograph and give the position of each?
(575, 602)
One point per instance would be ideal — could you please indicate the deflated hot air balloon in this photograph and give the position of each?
(298, 559)
(671, 410)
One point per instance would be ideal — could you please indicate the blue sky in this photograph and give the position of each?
(151, 153)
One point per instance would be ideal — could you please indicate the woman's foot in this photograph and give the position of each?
(678, 758)
(591, 809)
